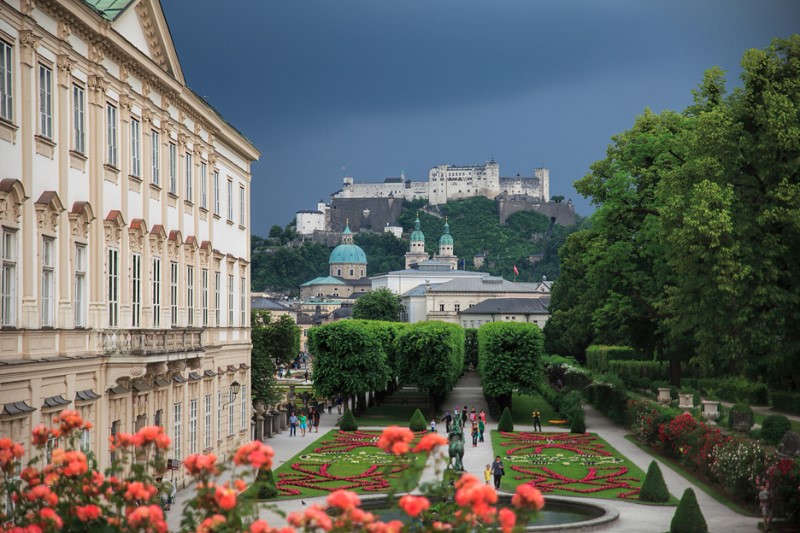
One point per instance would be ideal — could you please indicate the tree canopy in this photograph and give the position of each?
(692, 251)
(275, 342)
(509, 359)
(380, 304)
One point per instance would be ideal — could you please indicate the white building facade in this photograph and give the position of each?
(124, 206)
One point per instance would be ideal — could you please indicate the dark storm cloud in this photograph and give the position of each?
(382, 85)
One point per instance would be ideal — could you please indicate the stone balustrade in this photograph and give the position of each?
(146, 342)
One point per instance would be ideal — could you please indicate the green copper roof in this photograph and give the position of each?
(417, 234)
(347, 230)
(348, 253)
(446, 238)
(109, 9)
(323, 280)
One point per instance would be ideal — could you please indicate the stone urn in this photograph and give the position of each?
(664, 395)
(710, 409)
(686, 402)
(742, 420)
(260, 407)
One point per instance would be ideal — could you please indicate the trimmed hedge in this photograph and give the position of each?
(654, 489)
(597, 356)
(630, 370)
(785, 401)
(348, 422)
(774, 427)
(688, 518)
(609, 395)
(418, 422)
(506, 422)
(266, 484)
(733, 389)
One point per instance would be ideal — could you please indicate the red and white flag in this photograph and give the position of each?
(516, 272)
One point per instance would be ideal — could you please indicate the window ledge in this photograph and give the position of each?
(230, 222)
(188, 203)
(8, 131)
(45, 146)
(155, 187)
(242, 227)
(203, 209)
(216, 215)
(172, 195)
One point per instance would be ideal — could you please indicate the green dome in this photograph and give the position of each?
(417, 234)
(446, 238)
(348, 253)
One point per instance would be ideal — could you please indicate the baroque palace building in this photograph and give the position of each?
(124, 206)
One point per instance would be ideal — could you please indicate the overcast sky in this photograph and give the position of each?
(380, 86)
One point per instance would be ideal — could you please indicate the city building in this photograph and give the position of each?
(124, 206)
(532, 310)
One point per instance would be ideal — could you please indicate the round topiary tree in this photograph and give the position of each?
(688, 518)
(774, 427)
(265, 481)
(654, 489)
(506, 422)
(348, 422)
(417, 421)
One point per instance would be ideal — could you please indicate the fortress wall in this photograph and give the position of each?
(564, 213)
(381, 211)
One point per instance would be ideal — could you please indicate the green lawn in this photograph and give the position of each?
(391, 415)
(567, 464)
(523, 405)
(345, 460)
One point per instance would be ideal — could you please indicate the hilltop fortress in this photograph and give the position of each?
(377, 206)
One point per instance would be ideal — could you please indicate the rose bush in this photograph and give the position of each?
(68, 494)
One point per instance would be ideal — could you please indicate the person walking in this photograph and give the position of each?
(481, 428)
(339, 404)
(482, 416)
(473, 416)
(433, 425)
(537, 423)
(317, 414)
(497, 471)
(764, 505)
(292, 425)
(487, 474)
(447, 419)
(474, 434)
(303, 422)
(167, 492)
(464, 416)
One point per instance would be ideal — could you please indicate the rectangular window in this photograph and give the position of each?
(114, 432)
(242, 211)
(6, 83)
(173, 294)
(156, 291)
(155, 159)
(8, 283)
(190, 294)
(441, 307)
(230, 411)
(230, 300)
(111, 135)
(113, 287)
(45, 102)
(207, 425)
(189, 178)
(245, 403)
(78, 119)
(136, 155)
(86, 440)
(216, 193)
(217, 298)
(204, 275)
(173, 168)
(243, 302)
(457, 307)
(192, 426)
(177, 431)
(203, 185)
(136, 290)
(80, 286)
(230, 200)
(219, 415)
(48, 281)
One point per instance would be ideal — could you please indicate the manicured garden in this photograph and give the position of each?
(343, 460)
(567, 464)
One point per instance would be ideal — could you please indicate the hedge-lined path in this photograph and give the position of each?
(765, 410)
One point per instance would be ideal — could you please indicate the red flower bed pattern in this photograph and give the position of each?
(539, 471)
(317, 475)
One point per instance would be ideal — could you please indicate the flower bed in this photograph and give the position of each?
(349, 460)
(567, 464)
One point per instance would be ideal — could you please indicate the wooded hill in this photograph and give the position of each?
(474, 225)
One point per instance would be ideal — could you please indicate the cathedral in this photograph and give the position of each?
(418, 258)
(347, 275)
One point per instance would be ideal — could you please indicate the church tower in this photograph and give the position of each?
(445, 254)
(416, 253)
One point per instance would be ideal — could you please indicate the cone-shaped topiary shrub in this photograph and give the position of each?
(578, 422)
(506, 422)
(417, 421)
(688, 517)
(265, 481)
(348, 422)
(654, 489)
